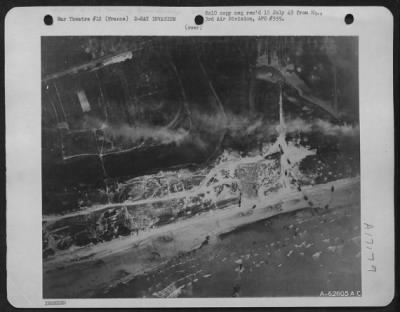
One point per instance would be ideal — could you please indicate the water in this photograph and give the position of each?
(277, 259)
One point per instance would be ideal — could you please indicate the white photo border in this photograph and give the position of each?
(24, 28)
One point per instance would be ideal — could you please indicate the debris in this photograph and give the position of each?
(207, 275)
(332, 248)
(326, 241)
(316, 255)
(289, 253)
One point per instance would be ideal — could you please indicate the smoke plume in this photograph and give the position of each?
(327, 128)
(137, 133)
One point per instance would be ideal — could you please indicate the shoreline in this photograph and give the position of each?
(109, 264)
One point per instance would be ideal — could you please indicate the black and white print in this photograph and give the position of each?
(198, 167)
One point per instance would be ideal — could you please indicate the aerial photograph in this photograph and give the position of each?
(200, 167)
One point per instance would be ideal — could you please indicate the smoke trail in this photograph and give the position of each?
(236, 125)
(327, 128)
(134, 134)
